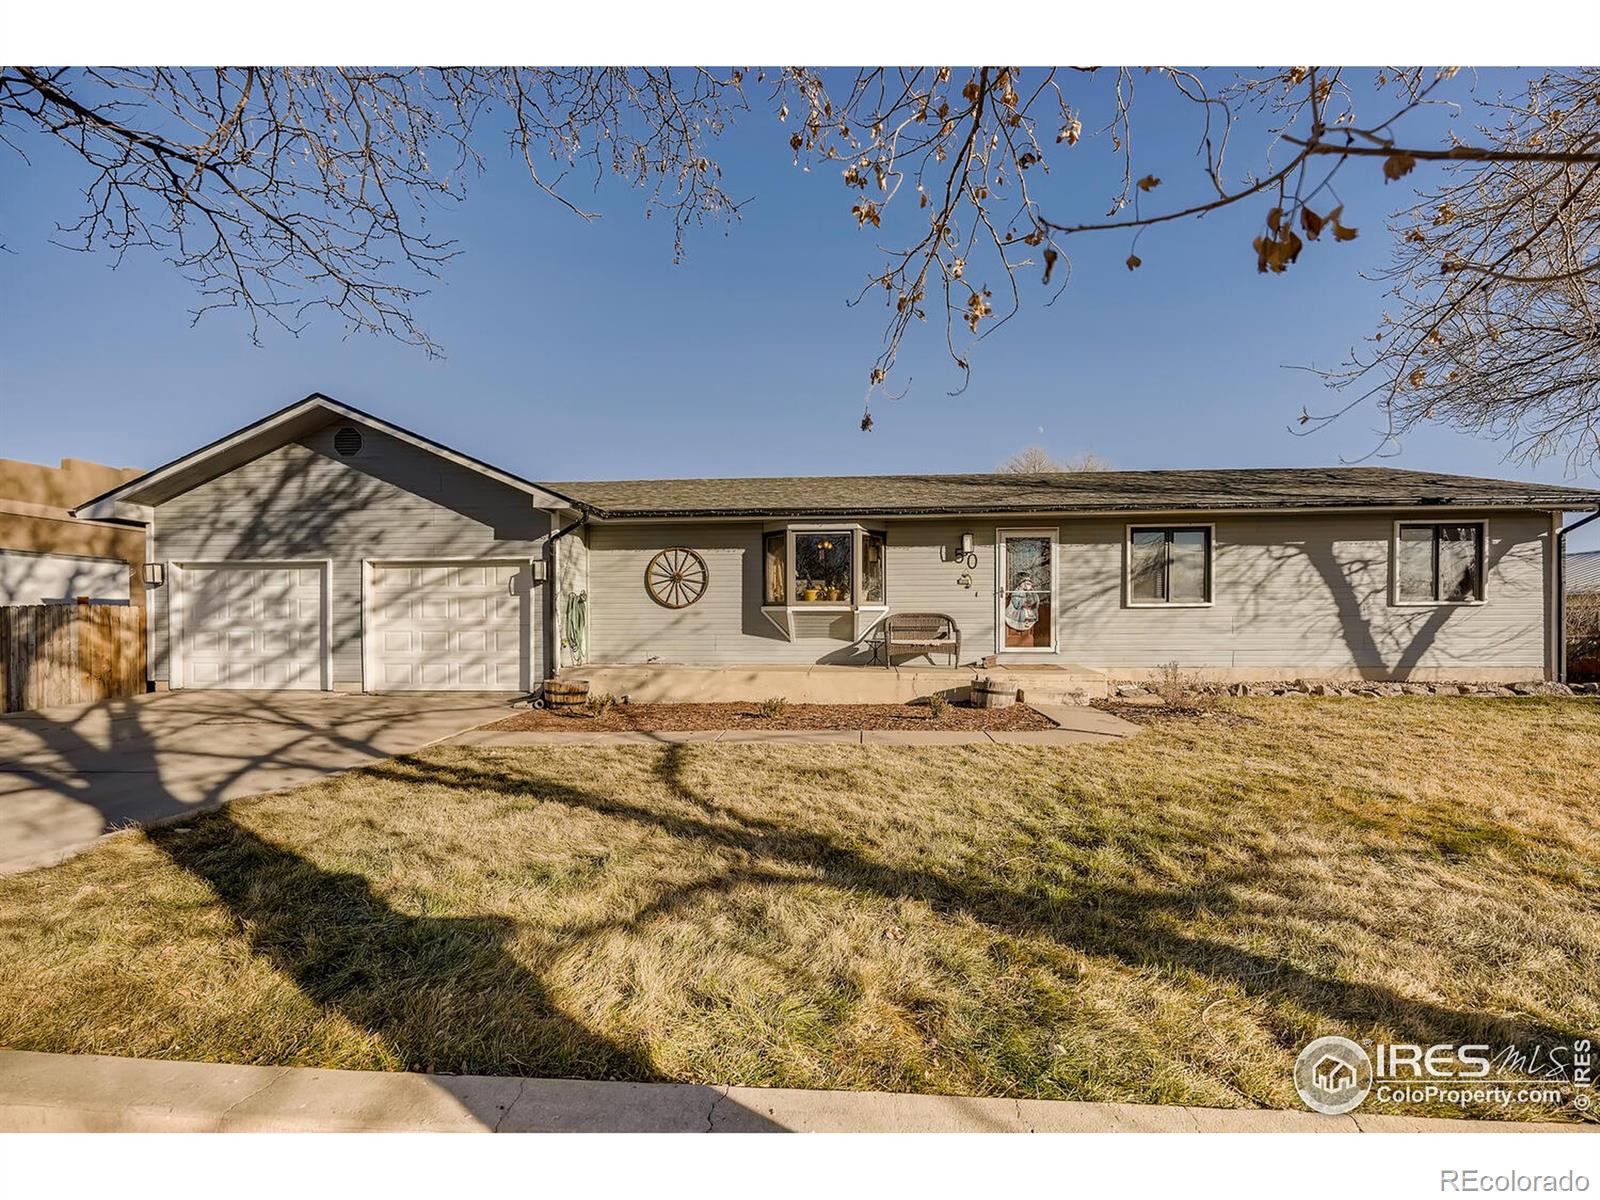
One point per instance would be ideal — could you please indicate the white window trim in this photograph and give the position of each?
(1053, 532)
(178, 609)
(1483, 564)
(1127, 564)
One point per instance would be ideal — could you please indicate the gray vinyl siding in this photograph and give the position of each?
(392, 500)
(1290, 591)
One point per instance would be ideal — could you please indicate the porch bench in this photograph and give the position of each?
(920, 633)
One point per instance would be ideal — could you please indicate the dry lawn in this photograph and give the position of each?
(1161, 921)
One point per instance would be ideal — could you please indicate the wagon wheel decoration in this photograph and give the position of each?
(676, 578)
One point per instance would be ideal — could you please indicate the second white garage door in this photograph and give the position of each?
(449, 626)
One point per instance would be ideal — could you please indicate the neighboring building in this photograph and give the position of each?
(47, 556)
(324, 547)
(1583, 614)
(1583, 574)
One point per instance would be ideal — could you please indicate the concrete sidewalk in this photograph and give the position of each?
(64, 1093)
(1075, 726)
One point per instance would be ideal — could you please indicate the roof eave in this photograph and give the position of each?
(1540, 503)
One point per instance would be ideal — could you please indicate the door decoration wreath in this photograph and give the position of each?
(676, 578)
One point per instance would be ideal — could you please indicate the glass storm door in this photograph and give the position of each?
(1027, 567)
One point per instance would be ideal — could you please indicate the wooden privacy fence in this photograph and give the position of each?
(69, 653)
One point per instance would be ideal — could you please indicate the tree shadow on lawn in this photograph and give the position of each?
(1131, 925)
(447, 995)
(442, 994)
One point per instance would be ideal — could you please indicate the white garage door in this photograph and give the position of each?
(251, 626)
(450, 626)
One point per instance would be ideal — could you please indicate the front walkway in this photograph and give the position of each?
(65, 1093)
(69, 775)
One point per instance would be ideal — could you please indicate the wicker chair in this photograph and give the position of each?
(920, 633)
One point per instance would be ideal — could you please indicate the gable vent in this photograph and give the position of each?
(347, 442)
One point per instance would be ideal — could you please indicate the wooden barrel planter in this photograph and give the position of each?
(986, 693)
(566, 695)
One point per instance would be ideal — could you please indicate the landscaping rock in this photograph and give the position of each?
(1367, 689)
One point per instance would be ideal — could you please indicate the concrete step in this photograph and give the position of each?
(662, 684)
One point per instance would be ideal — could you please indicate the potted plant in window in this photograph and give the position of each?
(810, 591)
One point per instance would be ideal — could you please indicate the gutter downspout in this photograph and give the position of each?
(1561, 593)
(552, 658)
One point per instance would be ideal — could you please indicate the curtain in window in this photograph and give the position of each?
(872, 568)
(776, 569)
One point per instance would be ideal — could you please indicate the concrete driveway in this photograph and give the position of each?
(68, 776)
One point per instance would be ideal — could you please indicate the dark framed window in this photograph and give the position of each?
(1169, 565)
(823, 571)
(775, 567)
(1439, 563)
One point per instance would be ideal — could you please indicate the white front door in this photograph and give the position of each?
(1026, 611)
(250, 626)
(449, 626)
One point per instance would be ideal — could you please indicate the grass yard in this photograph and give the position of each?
(1161, 921)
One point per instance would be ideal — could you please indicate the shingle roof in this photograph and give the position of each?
(1583, 571)
(1148, 491)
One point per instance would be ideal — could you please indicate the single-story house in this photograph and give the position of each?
(323, 547)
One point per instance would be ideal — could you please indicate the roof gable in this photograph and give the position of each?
(278, 429)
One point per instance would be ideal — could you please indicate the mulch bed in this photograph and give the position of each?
(679, 718)
(1159, 710)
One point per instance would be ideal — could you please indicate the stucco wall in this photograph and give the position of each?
(34, 500)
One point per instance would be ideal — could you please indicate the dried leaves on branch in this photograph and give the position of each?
(1496, 287)
(283, 190)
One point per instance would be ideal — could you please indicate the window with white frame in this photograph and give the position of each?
(839, 566)
(1169, 564)
(1438, 563)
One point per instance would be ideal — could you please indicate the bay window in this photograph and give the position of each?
(823, 568)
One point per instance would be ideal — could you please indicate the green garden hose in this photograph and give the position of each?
(576, 619)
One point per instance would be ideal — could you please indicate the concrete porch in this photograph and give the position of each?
(660, 683)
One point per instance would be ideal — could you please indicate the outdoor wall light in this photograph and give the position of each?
(966, 544)
(155, 574)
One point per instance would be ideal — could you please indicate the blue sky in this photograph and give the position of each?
(581, 351)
